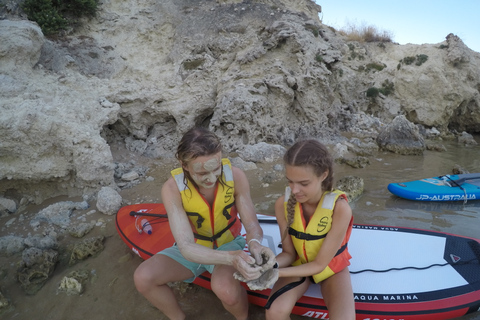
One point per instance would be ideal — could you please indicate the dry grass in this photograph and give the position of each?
(366, 33)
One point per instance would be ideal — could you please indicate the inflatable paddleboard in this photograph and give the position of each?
(397, 273)
(461, 187)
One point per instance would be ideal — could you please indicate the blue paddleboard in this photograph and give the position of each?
(461, 187)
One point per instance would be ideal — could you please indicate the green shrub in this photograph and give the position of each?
(376, 66)
(408, 60)
(421, 58)
(386, 89)
(78, 8)
(372, 92)
(313, 29)
(193, 64)
(319, 58)
(45, 14)
(55, 15)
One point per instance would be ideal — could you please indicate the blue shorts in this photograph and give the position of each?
(196, 268)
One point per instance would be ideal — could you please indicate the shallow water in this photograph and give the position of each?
(110, 293)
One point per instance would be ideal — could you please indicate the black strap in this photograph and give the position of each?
(200, 219)
(304, 236)
(292, 285)
(282, 290)
(225, 210)
(215, 236)
(342, 248)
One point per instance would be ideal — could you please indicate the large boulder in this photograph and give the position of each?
(402, 137)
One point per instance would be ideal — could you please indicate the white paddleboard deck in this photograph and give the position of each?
(404, 271)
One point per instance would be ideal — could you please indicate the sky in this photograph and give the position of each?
(409, 21)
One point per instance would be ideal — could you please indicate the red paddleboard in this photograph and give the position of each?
(397, 273)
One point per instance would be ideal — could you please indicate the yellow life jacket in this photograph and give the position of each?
(308, 239)
(216, 225)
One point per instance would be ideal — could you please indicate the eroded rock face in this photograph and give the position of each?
(141, 74)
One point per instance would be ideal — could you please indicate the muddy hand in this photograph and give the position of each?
(264, 257)
(246, 267)
(266, 280)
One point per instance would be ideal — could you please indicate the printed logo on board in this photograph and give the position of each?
(446, 197)
(454, 258)
(386, 297)
(136, 251)
(316, 315)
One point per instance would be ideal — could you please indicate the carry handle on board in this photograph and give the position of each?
(157, 215)
(465, 177)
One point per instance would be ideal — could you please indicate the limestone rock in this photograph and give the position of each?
(466, 139)
(8, 204)
(262, 152)
(10, 245)
(108, 201)
(80, 230)
(4, 303)
(74, 282)
(21, 44)
(402, 137)
(58, 213)
(354, 162)
(86, 248)
(36, 268)
(352, 186)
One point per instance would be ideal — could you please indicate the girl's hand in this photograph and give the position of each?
(264, 257)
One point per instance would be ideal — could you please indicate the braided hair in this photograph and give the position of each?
(308, 153)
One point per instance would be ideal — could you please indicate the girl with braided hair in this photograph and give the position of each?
(315, 222)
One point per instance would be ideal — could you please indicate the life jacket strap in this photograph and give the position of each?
(215, 236)
(342, 248)
(225, 210)
(304, 236)
(200, 219)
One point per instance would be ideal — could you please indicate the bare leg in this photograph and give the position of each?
(283, 305)
(338, 295)
(151, 278)
(230, 291)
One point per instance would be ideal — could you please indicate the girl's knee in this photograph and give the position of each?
(277, 311)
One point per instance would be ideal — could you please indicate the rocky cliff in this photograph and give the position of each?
(142, 72)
